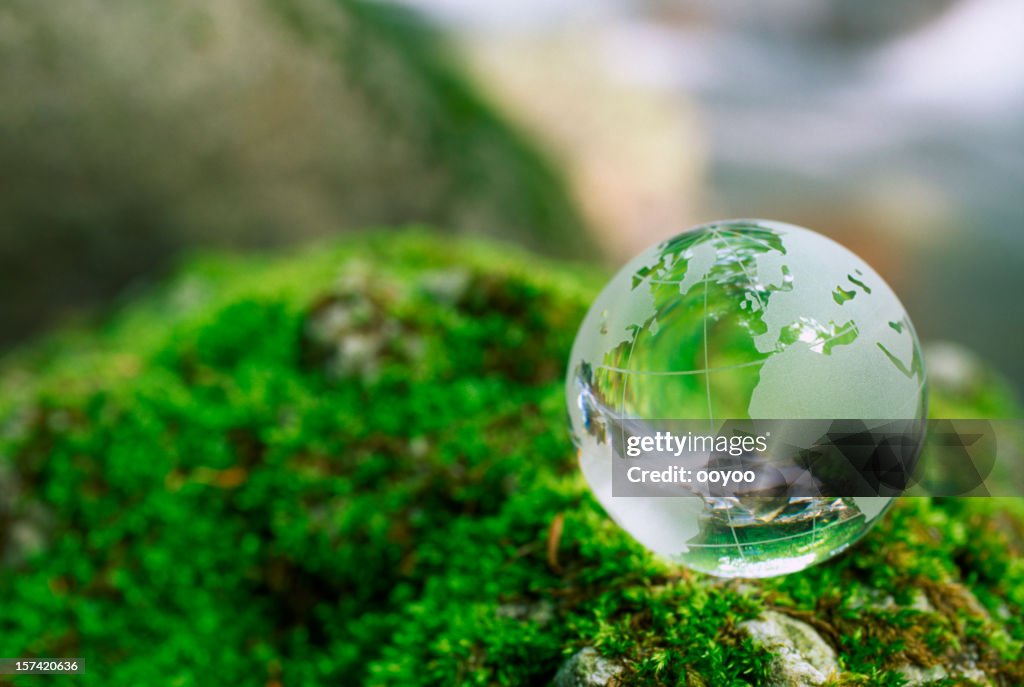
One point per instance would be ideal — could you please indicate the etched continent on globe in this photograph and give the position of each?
(745, 319)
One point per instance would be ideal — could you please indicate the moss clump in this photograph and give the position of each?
(351, 466)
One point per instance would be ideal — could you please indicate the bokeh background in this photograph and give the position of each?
(134, 133)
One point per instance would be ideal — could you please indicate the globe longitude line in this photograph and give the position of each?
(707, 387)
(707, 376)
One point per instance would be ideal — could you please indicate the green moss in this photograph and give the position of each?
(351, 466)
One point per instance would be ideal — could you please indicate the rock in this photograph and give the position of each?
(541, 612)
(917, 675)
(587, 668)
(801, 657)
(24, 522)
(352, 332)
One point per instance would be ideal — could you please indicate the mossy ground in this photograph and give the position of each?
(351, 466)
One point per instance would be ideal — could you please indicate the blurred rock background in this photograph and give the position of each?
(895, 128)
(130, 132)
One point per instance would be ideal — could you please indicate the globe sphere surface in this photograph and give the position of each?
(741, 319)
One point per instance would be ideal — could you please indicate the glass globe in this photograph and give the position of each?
(741, 320)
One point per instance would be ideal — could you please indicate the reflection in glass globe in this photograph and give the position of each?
(745, 319)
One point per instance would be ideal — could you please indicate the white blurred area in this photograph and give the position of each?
(895, 127)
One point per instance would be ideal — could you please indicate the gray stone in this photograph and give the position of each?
(801, 658)
(916, 675)
(587, 668)
(24, 523)
(540, 612)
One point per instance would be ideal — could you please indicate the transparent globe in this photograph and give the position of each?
(741, 319)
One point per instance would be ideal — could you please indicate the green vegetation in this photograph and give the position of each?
(351, 466)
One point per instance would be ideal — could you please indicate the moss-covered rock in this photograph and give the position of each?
(351, 466)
